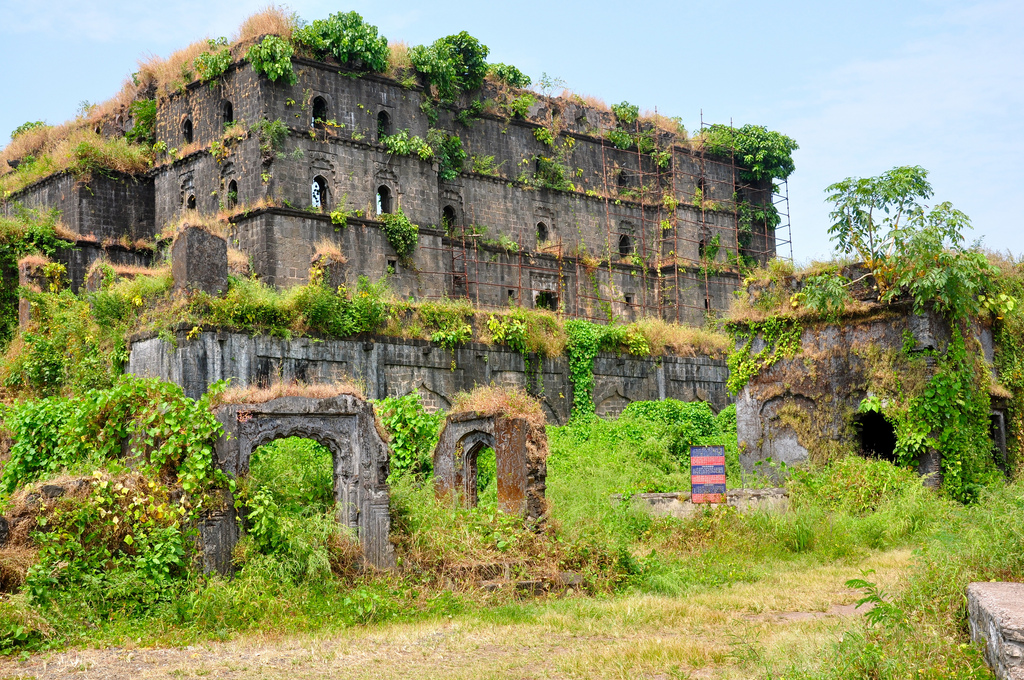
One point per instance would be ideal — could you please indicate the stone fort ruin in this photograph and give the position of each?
(576, 224)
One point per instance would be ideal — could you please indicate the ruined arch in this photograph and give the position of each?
(345, 425)
(520, 453)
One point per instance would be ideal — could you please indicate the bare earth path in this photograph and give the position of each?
(739, 631)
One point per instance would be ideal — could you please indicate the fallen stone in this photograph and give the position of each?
(996, 613)
(52, 490)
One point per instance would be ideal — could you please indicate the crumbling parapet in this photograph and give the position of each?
(346, 426)
(199, 262)
(520, 452)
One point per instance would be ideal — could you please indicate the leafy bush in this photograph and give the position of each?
(27, 127)
(450, 154)
(213, 64)
(271, 133)
(143, 122)
(273, 58)
(508, 74)
(762, 153)
(403, 144)
(336, 313)
(626, 114)
(453, 64)
(620, 139)
(401, 233)
(348, 39)
(413, 432)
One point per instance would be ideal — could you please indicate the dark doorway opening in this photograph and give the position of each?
(876, 436)
(232, 194)
(229, 113)
(191, 202)
(383, 200)
(542, 232)
(997, 430)
(383, 125)
(319, 111)
(448, 218)
(186, 131)
(547, 300)
(625, 245)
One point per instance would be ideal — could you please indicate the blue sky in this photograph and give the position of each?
(861, 86)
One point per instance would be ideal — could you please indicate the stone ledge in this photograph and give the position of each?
(996, 613)
(677, 503)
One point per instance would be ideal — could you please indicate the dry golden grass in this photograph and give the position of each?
(513, 402)
(256, 394)
(238, 262)
(329, 250)
(398, 59)
(670, 338)
(585, 100)
(192, 218)
(664, 123)
(270, 20)
(173, 73)
(14, 565)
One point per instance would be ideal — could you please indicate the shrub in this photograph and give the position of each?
(450, 154)
(143, 122)
(348, 39)
(213, 64)
(626, 114)
(508, 74)
(26, 127)
(413, 432)
(273, 58)
(453, 64)
(401, 233)
(403, 144)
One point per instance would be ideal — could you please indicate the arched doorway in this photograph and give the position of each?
(344, 426)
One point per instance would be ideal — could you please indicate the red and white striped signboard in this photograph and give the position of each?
(707, 474)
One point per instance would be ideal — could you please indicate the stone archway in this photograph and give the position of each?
(345, 425)
(520, 456)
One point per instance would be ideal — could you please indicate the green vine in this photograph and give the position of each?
(779, 338)
(583, 342)
(402, 234)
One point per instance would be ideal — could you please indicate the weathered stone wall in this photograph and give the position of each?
(808, 403)
(393, 367)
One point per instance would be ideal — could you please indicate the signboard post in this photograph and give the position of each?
(707, 474)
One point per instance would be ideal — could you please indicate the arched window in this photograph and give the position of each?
(625, 245)
(232, 194)
(191, 202)
(383, 200)
(702, 249)
(623, 178)
(229, 113)
(448, 217)
(542, 232)
(383, 125)
(702, 186)
(186, 130)
(319, 111)
(319, 191)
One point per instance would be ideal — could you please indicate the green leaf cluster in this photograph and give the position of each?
(450, 154)
(211, 65)
(403, 144)
(143, 129)
(401, 233)
(347, 38)
(453, 65)
(273, 58)
(508, 74)
(762, 153)
(778, 337)
(413, 432)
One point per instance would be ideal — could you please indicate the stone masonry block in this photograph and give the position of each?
(996, 613)
(199, 262)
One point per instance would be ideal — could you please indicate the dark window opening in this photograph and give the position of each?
(876, 436)
(448, 218)
(383, 200)
(319, 193)
(511, 296)
(628, 299)
(319, 112)
(229, 113)
(702, 249)
(997, 430)
(392, 266)
(701, 184)
(542, 232)
(232, 194)
(547, 300)
(191, 202)
(623, 178)
(186, 131)
(383, 125)
(98, 130)
(707, 304)
(625, 245)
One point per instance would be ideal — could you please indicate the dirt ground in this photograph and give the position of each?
(738, 631)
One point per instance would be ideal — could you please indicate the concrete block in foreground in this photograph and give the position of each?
(996, 612)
